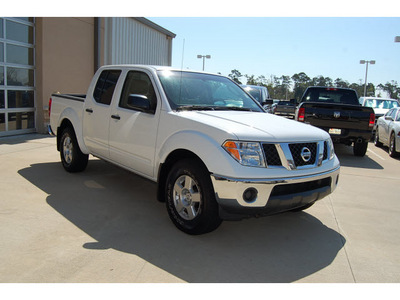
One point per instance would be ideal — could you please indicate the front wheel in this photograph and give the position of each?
(72, 158)
(392, 146)
(376, 139)
(359, 149)
(191, 202)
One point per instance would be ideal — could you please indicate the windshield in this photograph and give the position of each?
(192, 91)
(380, 103)
(331, 95)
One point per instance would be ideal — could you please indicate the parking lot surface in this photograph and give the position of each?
(105, 225)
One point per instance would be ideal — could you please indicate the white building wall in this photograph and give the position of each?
(128, 41)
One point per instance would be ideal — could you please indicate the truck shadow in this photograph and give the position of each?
(347, 158)
(120, 211)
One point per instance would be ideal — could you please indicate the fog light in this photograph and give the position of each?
(250, 195)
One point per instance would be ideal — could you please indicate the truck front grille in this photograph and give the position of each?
(272, 155)
(297, 149)
(295, 155)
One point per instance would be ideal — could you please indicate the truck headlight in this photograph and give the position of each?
(246, 153)
(331, 149)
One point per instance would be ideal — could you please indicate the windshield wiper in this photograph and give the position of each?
(208, 107)
(195, 107)
(236, 108)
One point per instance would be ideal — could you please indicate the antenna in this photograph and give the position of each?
(183, 52)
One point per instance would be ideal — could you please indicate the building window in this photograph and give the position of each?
(17, 75)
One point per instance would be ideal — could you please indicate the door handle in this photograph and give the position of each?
(89, 110)
(116, 117)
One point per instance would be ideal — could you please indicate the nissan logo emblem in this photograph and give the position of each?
(306, 154)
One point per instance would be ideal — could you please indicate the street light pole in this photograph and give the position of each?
(204, 57)
(372, 62)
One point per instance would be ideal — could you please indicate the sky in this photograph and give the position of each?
(276, 46)
(259, 37)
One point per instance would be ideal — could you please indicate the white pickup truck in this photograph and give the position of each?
(213, 151)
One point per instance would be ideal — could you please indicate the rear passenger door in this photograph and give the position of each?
(97, 113)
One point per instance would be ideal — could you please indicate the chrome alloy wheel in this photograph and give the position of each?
(67, 149)
(187, 197)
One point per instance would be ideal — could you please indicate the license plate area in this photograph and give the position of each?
(335, 131)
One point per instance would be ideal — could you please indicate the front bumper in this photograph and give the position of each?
(272, 195)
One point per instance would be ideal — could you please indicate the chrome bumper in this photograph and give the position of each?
(272, 195)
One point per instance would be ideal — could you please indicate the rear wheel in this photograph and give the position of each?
(191, 203)
(359, 149)
(72, 158)
(392, 146)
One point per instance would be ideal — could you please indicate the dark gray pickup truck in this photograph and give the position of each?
(337, 111)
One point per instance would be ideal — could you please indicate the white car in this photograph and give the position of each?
(380, 105)
(388, 131)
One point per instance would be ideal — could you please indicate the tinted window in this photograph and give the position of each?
(20, 77)
(392, 113)
(331, 96)
(197, 90)
(105, 86)
(19, 32)
(398, 115)
(138, 83)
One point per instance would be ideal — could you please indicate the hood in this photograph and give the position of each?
(380, 111)
(254, 126)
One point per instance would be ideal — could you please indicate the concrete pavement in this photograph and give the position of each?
(105, 225)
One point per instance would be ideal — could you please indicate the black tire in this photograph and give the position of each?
(301, 208)
(359, 149)
(190, 198)
(72, 158)
(392, 146)
(377, 143)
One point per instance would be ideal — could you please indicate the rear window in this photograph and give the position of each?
(287, 103)
(331, 95)
(381, 103)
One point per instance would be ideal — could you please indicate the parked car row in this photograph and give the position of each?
(388, 131)
(348, 119)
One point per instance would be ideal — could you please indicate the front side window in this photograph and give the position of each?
(138, 84)
(198, 91)
(398, 115)
(105, 86)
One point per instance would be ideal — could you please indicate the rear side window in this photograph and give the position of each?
(105, 86)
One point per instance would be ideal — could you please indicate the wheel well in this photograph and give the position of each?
(64, 124)
(165, 167)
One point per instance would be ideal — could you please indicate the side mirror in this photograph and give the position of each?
(388, 118)
(139, 102)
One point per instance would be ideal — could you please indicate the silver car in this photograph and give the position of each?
(388, 131)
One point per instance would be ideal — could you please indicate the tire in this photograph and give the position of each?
(377, 143)
(72, 158)
(392, 146)
(359, 149)
(301, 208)
(190, 198)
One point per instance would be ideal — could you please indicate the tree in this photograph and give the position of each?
(391, 88)
(250, 79)
(301, 82)
(340, 83)
(235, 76)
(322, 81)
